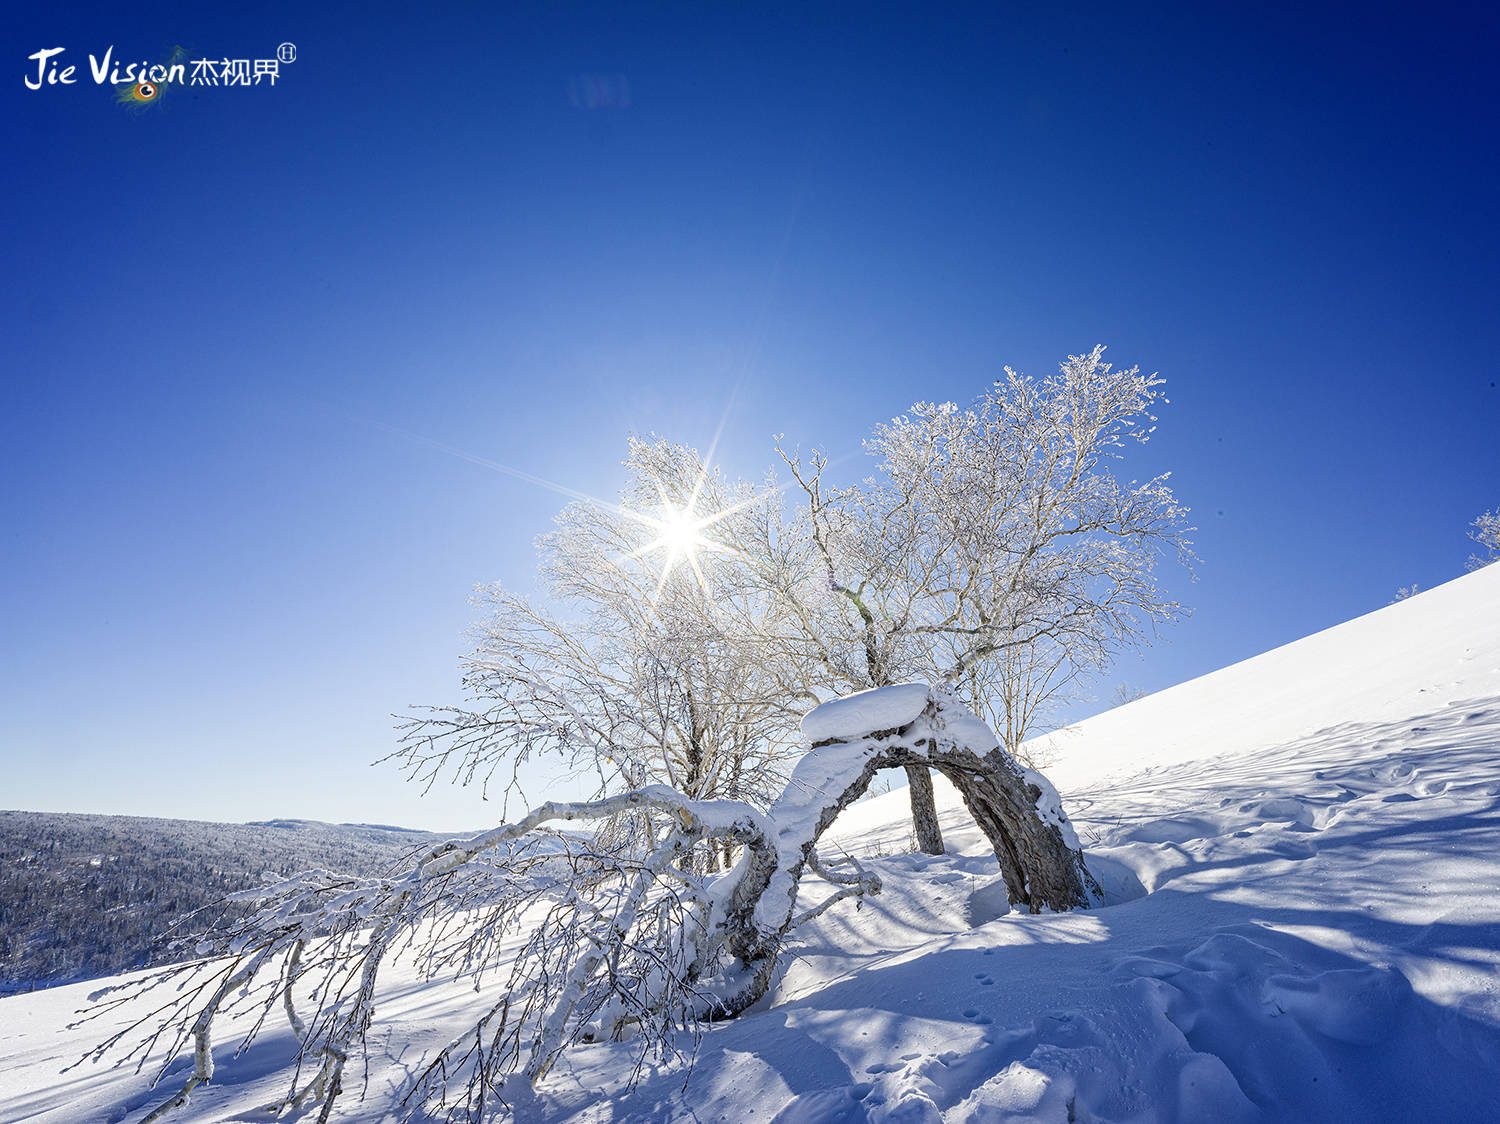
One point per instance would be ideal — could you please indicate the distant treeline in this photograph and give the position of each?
(88, 896)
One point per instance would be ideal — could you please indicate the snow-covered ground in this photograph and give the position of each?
(1302, 860)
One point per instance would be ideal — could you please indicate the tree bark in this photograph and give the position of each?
(924, 810)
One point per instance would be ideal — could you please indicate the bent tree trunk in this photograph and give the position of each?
(909, 726)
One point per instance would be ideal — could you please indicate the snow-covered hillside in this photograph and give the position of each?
(1410, 658)
(1301, 855)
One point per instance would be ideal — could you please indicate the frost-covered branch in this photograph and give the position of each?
(1486, 532)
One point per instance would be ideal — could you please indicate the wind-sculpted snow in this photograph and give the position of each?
(1304, 928)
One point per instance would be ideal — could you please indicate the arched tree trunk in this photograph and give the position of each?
(909, 726)
(924, 820)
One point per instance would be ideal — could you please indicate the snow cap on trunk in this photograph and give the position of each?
(881, 708)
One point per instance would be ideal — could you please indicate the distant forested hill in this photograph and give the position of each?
(84, 896)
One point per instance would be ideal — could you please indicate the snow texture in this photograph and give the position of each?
(881, 708)
(1300, 856)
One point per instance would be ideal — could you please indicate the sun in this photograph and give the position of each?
(678, 530)
(679, 533)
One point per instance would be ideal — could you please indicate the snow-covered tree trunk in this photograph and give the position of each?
(908, 725)
(911, 725)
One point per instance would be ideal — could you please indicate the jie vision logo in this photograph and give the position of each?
(143, 82)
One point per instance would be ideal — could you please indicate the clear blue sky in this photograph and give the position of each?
(222, 570)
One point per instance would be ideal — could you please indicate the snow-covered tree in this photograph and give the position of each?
(992, 556)
(1486, 532)
(652, 670)
(993, 549)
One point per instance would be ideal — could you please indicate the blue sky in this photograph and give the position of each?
(224, 568)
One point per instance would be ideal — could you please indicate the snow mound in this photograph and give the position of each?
(881, 708)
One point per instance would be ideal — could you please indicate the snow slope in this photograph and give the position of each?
(1406, 659)
(1301, 855)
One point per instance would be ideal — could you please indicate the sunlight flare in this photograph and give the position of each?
(679, 534)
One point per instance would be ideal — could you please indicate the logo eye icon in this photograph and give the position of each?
(145, 91)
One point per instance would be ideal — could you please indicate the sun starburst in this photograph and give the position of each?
(679, 529)
(680, 534)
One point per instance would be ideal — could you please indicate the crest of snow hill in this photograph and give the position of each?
(615, 946)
